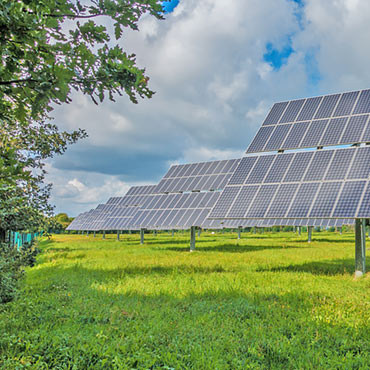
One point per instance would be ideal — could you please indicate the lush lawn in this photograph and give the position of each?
(266, 301)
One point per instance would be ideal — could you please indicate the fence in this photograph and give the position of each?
(18, 239)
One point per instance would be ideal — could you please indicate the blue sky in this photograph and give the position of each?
(216, 67)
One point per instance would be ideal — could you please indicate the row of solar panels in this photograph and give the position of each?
(282, 188)
(171, 211)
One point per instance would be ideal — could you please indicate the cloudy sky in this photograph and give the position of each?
(217, 67)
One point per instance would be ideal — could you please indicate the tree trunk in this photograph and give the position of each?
(2, 236)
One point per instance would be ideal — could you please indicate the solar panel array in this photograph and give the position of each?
(197, 176)
(305, 188)
(235, 223)
(316, 184)
(175, 211)
(315, 122)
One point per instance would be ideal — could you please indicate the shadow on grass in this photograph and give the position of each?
(230, 248)
(326, 267)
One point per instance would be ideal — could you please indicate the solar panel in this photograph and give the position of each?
(197, 176)
(292, 111)
(321, 121)
(304, 185)
(354, 130)
(274, 115)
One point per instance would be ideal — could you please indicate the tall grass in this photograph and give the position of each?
(267, 301)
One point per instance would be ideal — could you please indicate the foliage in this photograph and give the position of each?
(12, 262)
(60, 222)
(47, 49)
(267, 301)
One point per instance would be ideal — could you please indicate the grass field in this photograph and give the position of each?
(268, 301)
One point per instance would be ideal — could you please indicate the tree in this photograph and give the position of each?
(49, 48)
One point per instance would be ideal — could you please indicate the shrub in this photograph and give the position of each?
(12, 262)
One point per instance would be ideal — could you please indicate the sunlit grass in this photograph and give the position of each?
(265, 301)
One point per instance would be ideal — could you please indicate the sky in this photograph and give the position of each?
(217, 67)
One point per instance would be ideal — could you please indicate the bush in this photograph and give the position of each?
(12, 262)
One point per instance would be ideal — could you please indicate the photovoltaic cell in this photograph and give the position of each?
(261, 139)
(262, 201)
(226, 199)
(318, 166)
(278, 170)
(340, 164)
(244, 168)
(243, 201)
(292, 111)
(361, 164)
(304, 198)
(281, 202)
(260, 169)
(363, 104)
(295, 135)
(275, 113)
(334, 131)
(364, 210)
(327, 106)
(346, 103)
(277, 137)
(354, 130)
(309, 109)
(314, 133)
(325, 199)
(349, 199)
(298, 167)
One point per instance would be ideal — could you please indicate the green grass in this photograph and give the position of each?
(268, 301)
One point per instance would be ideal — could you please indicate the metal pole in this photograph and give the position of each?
(192, 239)
(199, 231)
(173, 232)
(87, 233)
(117, 234)
(360, 247)
(141, 236)
(309, 229)
(299, 231)
(255, 230)
(94, 234)
(104, 234)
(239, 232)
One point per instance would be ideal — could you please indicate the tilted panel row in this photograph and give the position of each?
(197, 176)
(339, 119)
(316, 184)
(244, 223)
(175, 211)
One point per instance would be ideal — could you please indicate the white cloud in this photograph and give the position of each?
(213, 87)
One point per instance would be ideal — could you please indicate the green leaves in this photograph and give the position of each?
(48, 47)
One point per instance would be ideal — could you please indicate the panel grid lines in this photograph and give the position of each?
(328, 117)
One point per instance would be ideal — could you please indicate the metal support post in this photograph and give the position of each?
(117, 234)
(94, 234)
(199, 231)
(141, 236)
(173, 232)
(309, 229)
(192, 239)
(104, 234)
(360, 247)
(87, 233)
(299, 231)
(255, 230)
(239, 232)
